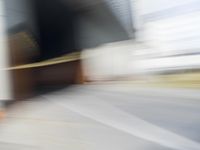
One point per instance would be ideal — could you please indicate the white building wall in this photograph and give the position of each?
(5, 87)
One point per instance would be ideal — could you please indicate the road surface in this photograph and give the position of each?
(105, 117)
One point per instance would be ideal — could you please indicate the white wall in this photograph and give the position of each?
(110, 60)
(171, 27)
(5, 87)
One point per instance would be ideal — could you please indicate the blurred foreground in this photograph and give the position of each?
(107, 116)
(99, 74)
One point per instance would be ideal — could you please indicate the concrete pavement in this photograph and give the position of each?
(110, 117)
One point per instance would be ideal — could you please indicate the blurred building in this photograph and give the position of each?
(159, 36)
(169, 30)
(35, 30)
